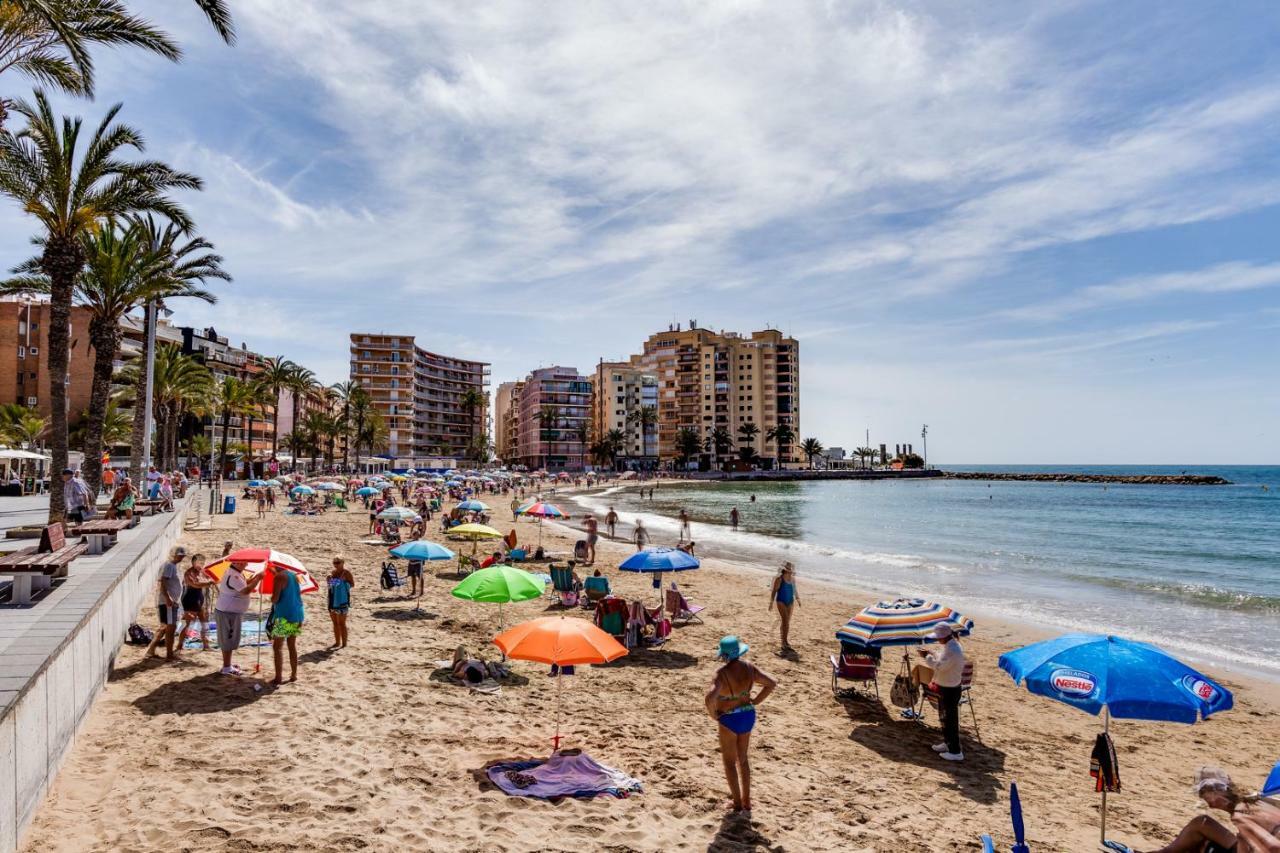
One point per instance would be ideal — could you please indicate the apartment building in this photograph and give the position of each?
(625, 399)
(224, 359)
(24, 359)
(723, 379)
(423, 396)
(506, 420)
(554, 419)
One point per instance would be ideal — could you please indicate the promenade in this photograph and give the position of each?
(55, 653)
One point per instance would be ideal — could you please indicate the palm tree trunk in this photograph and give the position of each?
(275, 423)
(294, 430)
(138, 441)
(248, 441)
(222, 448)
(346, 438)
(61, 261)
(104, 336)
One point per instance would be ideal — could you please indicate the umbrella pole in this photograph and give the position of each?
(1106, 729)
(262, 629)
(555, 741)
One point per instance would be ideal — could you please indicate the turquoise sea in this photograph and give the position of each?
(1195, 569)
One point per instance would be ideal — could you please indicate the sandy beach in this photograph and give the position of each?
(374, 749)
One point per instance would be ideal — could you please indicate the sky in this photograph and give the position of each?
(1047, 230)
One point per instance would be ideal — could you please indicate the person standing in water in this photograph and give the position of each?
(785, 595)
(641, 536)
(734, 518)
(730, 703)
(686, 530)
(611, 521)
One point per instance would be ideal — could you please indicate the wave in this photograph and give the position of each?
(1206, 595)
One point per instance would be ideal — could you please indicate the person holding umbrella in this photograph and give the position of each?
(731, 705)
(235, 590)
(287, 615)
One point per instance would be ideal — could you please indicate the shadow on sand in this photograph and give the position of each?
(738, 833)
(659, 658)
(204, 694)
(148, 663)
(406, 615)
(977, 778)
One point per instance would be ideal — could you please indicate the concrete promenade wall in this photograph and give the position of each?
(55, 656)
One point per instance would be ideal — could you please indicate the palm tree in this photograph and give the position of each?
(721, 442)
(316, 427)
(781, 435)
(811, 447)
(49, 40)
(747, 432)
(181, 387)
(361, 409)
(257, 399)
(124, 268)
(199, 446)
(373, 432)
(21, 425)
(470, 401)
(615, 442)
(70, 193)
(687, 444)
(865, 453)
(301, 383)
(276, 375)
(345, 392)
(234, 398)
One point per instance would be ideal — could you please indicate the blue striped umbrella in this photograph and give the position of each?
(904, 622)
(473, 506)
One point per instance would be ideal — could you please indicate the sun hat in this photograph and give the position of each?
(179, 551)
(1210, 777)
(942, 631)
(731, 648)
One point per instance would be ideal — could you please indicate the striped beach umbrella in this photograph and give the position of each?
(903, 622)
(543, 510)
(473, 505)
(399, 513)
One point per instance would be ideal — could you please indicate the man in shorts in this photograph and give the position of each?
(235, 592)
(593, 535)
(415, 578)
(169, 603)
(611, 521)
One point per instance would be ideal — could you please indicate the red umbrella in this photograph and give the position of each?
(259, 559)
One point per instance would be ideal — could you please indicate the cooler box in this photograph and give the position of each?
(229, 504)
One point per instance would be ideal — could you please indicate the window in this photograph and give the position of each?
(33, 401)
(22, 352)
(34, 350)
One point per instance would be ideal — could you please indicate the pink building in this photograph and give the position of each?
(555, 412)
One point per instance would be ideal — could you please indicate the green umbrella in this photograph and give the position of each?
(499, 585)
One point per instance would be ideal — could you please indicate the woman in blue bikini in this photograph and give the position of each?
(784, 594)
(730, 703)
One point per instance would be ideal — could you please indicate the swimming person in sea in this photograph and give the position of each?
(731, 705)
(785, 595)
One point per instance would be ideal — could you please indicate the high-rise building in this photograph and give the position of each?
(625, 401)
(434, 405)
(554, 418)
(709, 380)
(506, 420)
(224, 359)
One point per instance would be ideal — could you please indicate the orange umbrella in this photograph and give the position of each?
(560, 641)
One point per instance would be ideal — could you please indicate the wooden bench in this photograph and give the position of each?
(100, 534)
(42, 563)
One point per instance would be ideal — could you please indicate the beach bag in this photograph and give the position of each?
(904, 692)
(580, 549)
(663, 629)
(139, 636)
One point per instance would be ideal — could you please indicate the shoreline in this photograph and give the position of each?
(748, 559)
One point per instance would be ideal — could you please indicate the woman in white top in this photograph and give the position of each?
(235, 592)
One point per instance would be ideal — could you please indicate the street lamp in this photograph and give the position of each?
(924, 437)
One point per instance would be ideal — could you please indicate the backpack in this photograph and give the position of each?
(139, 636)
(580, 549)
(390, 578)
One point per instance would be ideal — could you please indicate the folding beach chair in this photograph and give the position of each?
(680, 610)
(966, 698)
(562, 585)
(596, 588)
(860, 669)
(611, 617)
(390, 578)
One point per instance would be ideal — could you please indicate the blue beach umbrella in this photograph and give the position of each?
(659, 560)
(1271, 787)
(422, 549)
(329, 487)
(367, 492)
(302, 490)
(1116, 677)
(473, 506)
(257, 484)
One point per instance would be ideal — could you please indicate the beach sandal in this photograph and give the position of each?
(1117, 847)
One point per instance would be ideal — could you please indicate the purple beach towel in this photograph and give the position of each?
(562, 775)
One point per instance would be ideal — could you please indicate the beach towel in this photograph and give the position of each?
(562, 775)
(1103, 766)
(252, 633)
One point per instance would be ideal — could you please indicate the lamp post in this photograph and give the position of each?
(924, 437)
(148, 424)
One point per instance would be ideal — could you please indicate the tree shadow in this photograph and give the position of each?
(210, 693)
(410, 615)
(902, 741)
(738, 833)
(657, 658)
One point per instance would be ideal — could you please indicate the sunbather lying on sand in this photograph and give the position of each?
(1256, 819)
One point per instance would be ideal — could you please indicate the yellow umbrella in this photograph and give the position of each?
(474, 533)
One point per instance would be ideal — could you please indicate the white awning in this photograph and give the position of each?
(6, 453)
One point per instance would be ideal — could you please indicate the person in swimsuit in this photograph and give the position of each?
(340, 583)
(1256, 819)
(466, 668)
(784, 594)
(686, 530)
(641, 535)
(287, 615)
(194, 582)
(593, 536)
(730, 703)
(734, 518)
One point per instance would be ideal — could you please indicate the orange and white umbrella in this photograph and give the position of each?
(260, 559)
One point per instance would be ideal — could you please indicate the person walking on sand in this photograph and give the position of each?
(262, 503)
(235, 592)
(593, 536)
(786, 597)
(168, 598)
(948, 671)
(287, 616)
(340, 583)
(515, 507)
(641, 535)
(686, 530)
(611, 521)
(195, 581)
(731, 705)
(734, 518)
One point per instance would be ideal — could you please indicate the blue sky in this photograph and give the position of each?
(1046, 229)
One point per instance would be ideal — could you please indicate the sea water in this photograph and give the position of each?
(1194, 569)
